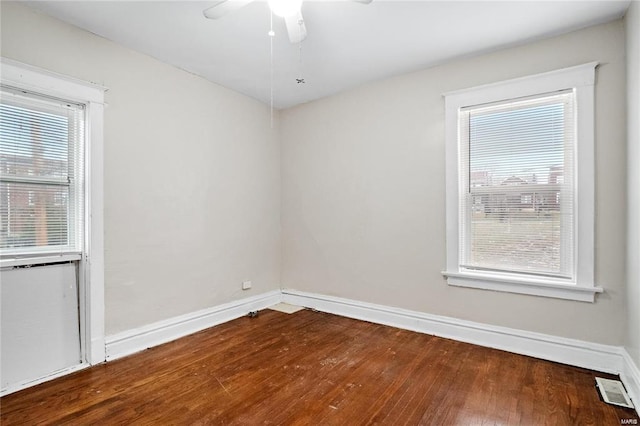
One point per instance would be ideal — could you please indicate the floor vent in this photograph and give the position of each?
(613, 392)
(286, 308)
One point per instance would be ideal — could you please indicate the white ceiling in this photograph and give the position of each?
(348, 44)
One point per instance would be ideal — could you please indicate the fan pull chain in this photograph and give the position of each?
(271, 35)
(300, 80)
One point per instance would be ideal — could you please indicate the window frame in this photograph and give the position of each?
(91, 261)
(582, 287)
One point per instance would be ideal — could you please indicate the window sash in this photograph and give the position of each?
(502, 233)
(41, 174)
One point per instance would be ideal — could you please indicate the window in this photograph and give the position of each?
(41, 174)
(74, 221)
(520, 185)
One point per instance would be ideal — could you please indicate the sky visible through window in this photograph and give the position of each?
(525, 143)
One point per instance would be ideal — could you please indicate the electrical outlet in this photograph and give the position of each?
(246, 285)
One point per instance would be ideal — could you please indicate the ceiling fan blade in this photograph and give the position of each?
(222, 7)
(296, 28)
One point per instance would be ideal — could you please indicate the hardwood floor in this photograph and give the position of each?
(311, 368)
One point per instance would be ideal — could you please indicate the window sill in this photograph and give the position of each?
(546, 287)
(37, 259)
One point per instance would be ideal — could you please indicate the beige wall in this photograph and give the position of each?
(633, 258)
(364, 201)
(192, 175)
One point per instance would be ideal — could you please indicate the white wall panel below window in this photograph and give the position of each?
(39, 322)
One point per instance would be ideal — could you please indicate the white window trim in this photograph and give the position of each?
(582, 79)
(91, 287)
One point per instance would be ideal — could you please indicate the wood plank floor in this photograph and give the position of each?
(311, 368)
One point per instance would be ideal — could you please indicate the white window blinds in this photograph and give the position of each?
(517, 172)
(41, 174)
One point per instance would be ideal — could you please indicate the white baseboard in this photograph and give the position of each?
(54, 375)
(138, 339)
(578, 353)
(630, 376)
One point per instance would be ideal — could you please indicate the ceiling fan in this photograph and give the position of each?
(287, 9)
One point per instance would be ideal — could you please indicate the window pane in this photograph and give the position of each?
(33, 143)
(33, 215)
(516, 239)
(41, 173)
(518, 208)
